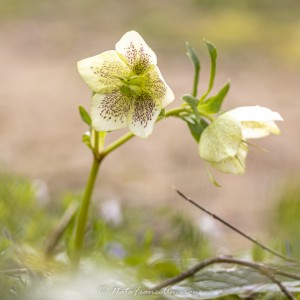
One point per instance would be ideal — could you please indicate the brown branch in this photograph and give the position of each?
(263, 269)
(248, 237)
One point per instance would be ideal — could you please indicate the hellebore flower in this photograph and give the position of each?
(223, 143)
(129, 88)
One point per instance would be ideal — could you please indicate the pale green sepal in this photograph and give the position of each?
(220, 140)
(233, 165)
(255, 130)
(256, 121)
(210, 176)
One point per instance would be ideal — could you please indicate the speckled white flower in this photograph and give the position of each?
(129, 88)
(223, 142)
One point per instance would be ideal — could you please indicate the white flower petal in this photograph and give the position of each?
(109, 111)
(157, 88)
(254, 113)
(137, 53)
(143, 115)
(220, 140)
(101, 72)
(169, 96)
(255, 130)
(233, 165)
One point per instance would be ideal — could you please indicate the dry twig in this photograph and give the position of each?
(262, 268)
(247, 236)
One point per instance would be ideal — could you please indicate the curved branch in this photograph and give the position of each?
(263, 269)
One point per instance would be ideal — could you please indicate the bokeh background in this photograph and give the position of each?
(40, 90)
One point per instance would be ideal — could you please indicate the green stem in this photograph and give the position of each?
(126, 137)
(114, 145)
(196, 81)
(175, 112)
(83, 213)
(207, 116)
(99, 154)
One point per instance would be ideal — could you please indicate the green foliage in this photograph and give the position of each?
(22, 215)
(213, 65)
(193, 103)
(145, 245)
(151, 243)
(196, 126)
(193, 56)
(213, 104)
(85, 116)
(194, 121)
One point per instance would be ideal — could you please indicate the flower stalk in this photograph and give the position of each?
(100, 152)
(83, 213)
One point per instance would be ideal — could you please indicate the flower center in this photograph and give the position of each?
(132, 85)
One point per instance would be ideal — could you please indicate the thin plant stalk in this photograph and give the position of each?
(83, 213)
(99, 152)
(248, 237)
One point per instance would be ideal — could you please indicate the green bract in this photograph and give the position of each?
(129, 88)
(223, 142)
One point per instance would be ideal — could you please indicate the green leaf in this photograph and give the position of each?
(193, 56)
(213, 105)
(213, 65)
(195, 125)
(212, 50)
(85, 116)
(193, 102)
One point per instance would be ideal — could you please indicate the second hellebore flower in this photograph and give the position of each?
(223, 142)
(129, 88)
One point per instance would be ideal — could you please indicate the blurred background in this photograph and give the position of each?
(40, 90)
